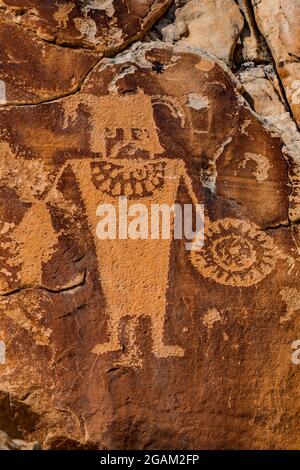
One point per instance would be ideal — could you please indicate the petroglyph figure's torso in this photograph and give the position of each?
(134, 282)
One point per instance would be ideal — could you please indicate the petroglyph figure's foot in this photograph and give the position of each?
(131, 359)
(106, 348)
(113, 345)
(161, 350)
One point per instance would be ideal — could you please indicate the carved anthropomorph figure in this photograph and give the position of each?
(133, 272)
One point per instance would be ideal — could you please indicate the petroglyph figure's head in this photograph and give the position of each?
(126, 128)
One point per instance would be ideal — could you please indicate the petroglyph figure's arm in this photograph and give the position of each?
(189, 184)
(73, 164)
(196, 236)
(55, 182)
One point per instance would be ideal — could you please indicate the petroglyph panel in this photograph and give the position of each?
(123, 337)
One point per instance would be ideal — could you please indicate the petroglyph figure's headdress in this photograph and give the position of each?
(129, 120)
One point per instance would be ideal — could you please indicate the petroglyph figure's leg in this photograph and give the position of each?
(114, 343)
(131, 356)
(160, 349)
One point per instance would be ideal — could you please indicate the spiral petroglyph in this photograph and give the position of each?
(235, 253)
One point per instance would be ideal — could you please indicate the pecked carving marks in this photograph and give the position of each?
(132, 341)
(236, 253)
(137, 180)
(291, 298)
(21, 314)
(262, 165)
(128, 268)
(104, 25)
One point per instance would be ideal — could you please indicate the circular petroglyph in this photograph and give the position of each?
(235, 253)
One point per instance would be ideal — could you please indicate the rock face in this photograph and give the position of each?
(15, 444)
(279, 22)
(251, 45)
(203, 24)
(263, 89)
(38, 71)
(145, 342)
(105, 25)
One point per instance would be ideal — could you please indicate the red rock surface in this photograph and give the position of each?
(279, 22)
(142, 344)
(38, 71)
(105, 25)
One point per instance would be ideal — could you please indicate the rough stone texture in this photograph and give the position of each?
(32, 71)
(105, 25)
(204, 24)
(279, 22)
(15, 444)
(107, 348)
(251, 45)
(257, 83)
(140, 343)
(263, 91)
